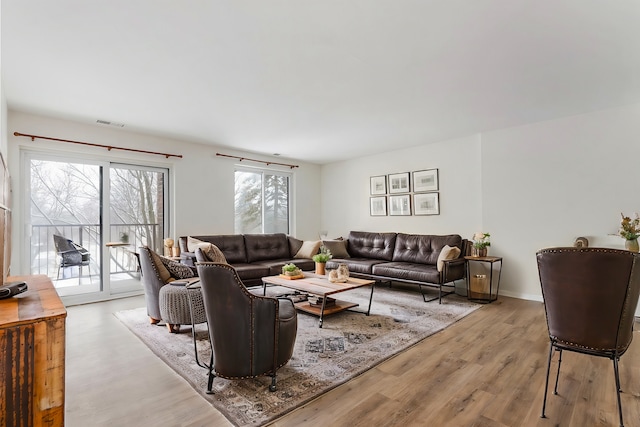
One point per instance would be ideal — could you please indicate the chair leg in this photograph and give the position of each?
(272, 387)
(546, 383)
(211, 375)
(555, 390)
(617, 374)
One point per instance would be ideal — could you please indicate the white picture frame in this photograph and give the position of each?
(400, 205)
(378, 206)
(426, 204)
(425, 181)
(378, 185)
(398, 183)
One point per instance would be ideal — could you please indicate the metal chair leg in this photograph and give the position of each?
(272, 387)
(546, 383)
(617, 374)
(555, 390)
(211, 376)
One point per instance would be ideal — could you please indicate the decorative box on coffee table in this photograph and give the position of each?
(483, 278)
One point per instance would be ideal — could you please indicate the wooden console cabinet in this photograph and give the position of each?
(32, 356)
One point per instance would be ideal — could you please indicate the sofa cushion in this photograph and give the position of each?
(408, 271)
(447, 253)
(266, 246)
(363, 244)
(338, 248)
(356, 265)
(308, 249)
(275, 266)
(422, 248)
(251, 271)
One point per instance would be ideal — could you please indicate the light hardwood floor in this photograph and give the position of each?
(487, 370)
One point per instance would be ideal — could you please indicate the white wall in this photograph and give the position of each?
(345, 190)
(531, 187)
(547, 183)
(202, 184)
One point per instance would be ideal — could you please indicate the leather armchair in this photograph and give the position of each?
(251, 335)
(590, 295)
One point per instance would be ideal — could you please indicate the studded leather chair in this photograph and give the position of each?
(251, 335)
(590, 295)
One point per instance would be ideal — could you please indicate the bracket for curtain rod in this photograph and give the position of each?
(108, 147)
(258, 161)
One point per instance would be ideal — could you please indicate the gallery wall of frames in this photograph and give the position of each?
(405, 193)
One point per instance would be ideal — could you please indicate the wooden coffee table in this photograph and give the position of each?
(318, 285)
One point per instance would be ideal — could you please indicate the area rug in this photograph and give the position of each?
(347, 345)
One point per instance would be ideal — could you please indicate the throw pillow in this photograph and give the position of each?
(308, 249)
(164, 274)
(214, 254)
(176, 269)
(193, 244)
(338, 247)
(447, 253)
(294, 245)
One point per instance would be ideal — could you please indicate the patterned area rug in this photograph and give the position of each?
(348, 344)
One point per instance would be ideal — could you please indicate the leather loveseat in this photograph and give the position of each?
(407, 258)
(254, 256)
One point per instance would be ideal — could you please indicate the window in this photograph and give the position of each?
(261, 201)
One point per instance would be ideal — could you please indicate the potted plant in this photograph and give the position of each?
(321, 259)
(291, 270)
(630, 230)
(481, 241)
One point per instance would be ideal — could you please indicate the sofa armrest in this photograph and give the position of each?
(454, 269)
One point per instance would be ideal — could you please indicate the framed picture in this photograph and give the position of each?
(378, 185)
(378, 206)
(426, 204)
(399, 183)
(425, 181)
(400, 205)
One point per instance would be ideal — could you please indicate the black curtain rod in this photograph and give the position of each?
(258, 161)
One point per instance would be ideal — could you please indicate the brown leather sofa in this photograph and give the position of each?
(407, 258)
(254, 256)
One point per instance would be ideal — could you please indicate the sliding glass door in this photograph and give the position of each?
(86, 221)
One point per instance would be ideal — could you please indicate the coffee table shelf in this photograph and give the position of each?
(336, 308)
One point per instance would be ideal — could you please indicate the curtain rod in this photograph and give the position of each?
(258, 161)
(108, 147)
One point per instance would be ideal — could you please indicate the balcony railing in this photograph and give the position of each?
(45, 260)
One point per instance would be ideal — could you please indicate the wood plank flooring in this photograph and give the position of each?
(487, 370)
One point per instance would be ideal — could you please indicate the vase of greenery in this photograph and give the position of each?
(321, 259)
(630, 230)
(481, 243)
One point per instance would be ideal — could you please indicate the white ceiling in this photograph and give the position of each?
(319, 80)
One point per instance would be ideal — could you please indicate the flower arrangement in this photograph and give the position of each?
(323, 256)
(481, 240)
(630, 228)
